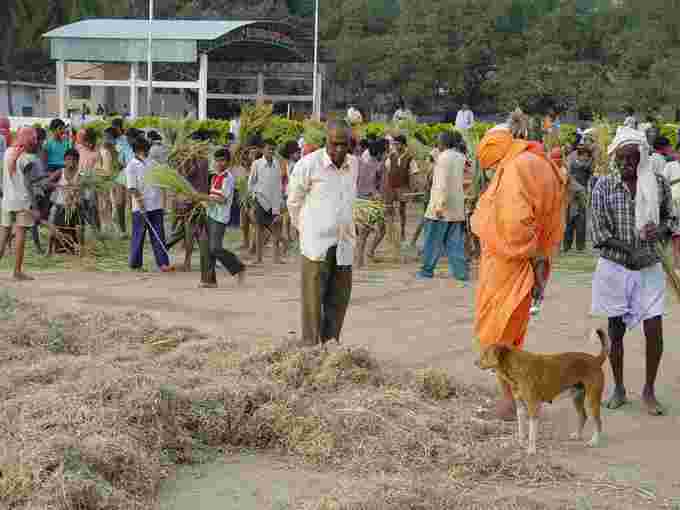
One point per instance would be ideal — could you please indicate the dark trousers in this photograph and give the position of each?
(576, 225)
(230, 261)
(91, 213)
(326, 291)
(139, 230)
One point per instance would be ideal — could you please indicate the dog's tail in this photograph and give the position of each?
(604, 340)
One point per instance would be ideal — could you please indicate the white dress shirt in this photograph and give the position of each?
(136, 172)
(464, 119)
(265, 182)
(320, 201)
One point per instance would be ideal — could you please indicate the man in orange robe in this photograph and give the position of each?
(519, 220)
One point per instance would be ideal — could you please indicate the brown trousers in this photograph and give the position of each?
(326, 291)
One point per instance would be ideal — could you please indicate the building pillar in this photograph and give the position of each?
(260, 89)
(319, 95)
(203, 87)
(134, 102)
(61, 88)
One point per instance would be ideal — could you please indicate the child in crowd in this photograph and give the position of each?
(66, 213)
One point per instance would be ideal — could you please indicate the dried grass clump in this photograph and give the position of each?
(434, 383)
(16, 483)
(99, 424)
(425, 494)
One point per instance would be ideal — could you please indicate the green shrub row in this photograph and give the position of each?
(282, 130)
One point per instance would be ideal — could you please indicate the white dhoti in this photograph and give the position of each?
(633, 295)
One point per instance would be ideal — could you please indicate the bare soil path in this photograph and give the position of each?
(412, 324)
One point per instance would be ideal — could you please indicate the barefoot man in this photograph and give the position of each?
(19, 206)
(320, 199)
(519, 222)
(632, 211)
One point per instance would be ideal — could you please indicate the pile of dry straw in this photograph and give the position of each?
(96, 410)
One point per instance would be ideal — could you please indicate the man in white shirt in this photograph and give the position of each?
(465, 118)
(265, 183)
(445, 215)
(321, 196)
(147, 211)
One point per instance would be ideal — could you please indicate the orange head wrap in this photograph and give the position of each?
(27, 137)
(494, 147)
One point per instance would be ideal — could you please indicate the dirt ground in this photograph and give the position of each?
(412, 324)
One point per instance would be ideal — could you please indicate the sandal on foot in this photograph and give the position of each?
(615, 401)
(654, 409)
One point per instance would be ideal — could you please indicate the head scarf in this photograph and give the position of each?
(5, 130)
(26, 137)
(498, 146)
(647, 192)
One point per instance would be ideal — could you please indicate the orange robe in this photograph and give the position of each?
(519, 216)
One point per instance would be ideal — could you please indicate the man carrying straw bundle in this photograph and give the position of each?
(147, 214)
(265, 183)
(519, 221)
(321, 195)
(66, 214)
(399, 167)
(632, 212)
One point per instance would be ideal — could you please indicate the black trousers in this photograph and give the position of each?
(230, 261)
(576, 227)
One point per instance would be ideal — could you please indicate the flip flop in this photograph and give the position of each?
(614, 402)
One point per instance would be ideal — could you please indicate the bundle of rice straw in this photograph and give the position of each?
(254, 118)
(368, 212)
(182, 154)
(602, 136)
(168, 178)
(100, 184)
(672, 276)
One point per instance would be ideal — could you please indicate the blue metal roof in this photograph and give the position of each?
(135, 29)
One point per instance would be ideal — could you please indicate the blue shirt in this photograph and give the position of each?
(55, 152)
(125, 152)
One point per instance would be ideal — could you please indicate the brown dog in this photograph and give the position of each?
(536, 378)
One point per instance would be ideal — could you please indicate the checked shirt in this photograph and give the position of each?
(614, 217)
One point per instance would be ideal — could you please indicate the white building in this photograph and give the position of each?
(29, 99)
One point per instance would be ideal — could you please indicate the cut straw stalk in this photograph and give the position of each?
(667, 264)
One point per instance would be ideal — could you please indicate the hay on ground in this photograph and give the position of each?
(98, 409)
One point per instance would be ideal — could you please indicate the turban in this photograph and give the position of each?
(647, 193)
(498, 145)
(26, 137)
(494, 146)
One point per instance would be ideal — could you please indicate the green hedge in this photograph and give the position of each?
(281, 129)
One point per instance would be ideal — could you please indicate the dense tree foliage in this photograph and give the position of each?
(588, 55)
